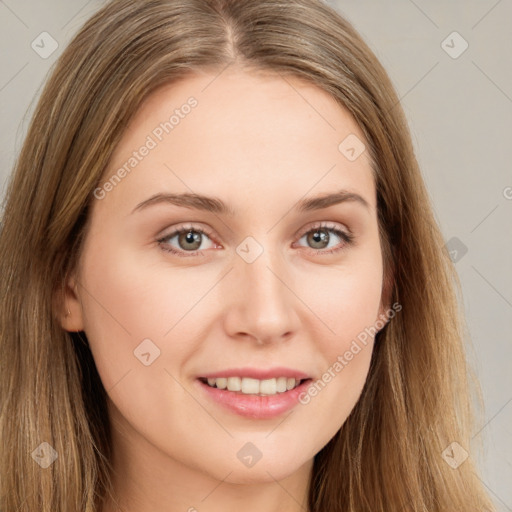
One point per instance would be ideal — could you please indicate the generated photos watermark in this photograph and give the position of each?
(156, 136)
(344, 359)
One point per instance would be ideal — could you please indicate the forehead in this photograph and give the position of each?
(253, 132)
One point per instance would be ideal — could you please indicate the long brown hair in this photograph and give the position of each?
(388, 455)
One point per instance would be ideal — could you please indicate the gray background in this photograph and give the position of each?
(459, 107)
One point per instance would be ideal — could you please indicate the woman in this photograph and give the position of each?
(305, 353)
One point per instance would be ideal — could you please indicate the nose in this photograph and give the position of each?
(262, 305)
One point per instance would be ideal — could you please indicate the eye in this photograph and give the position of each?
(189, 241)
(320, 239)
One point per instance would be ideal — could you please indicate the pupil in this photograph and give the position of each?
(191, 237)
(320, 236)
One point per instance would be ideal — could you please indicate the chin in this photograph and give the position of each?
(277, 465)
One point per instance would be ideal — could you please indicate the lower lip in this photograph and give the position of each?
(255, 406)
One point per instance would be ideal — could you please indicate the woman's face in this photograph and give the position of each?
(263, 288)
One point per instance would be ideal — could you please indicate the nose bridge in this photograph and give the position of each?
(263, 305)
(261, 276)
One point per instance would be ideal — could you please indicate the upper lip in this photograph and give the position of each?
(258, 373)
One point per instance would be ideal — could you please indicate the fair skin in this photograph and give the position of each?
(259, 143)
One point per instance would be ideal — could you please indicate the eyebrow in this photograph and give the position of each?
(216, 205)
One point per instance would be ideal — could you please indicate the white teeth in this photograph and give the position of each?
(222, 383)
(251, 386)
(234, 384)
(268, 387)
(281, 384)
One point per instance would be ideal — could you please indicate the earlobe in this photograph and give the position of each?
(383, 318)
(69, 307)
(386, 298)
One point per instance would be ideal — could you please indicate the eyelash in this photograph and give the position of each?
(348, 239)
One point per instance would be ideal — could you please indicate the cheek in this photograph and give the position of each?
(345, 302)
(344, 299)
(128, 299)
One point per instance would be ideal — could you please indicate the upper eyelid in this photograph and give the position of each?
(322, 225)
(185, 227)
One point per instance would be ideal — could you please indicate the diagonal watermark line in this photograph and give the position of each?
(307, 101)
(104, 308)
(179, 178)
(215, 488)
(492, 81)
(495, 495)
(501, 409)
(414, 86)
(485, 15)
(313, 186)
(23, 502)
(300, 299)
(488, 282)
(484, 218)
(13, 13)
(112, 387)
(280, 423)
(215, 77)
(424, 13)
(287, 492)
(13, 77)
(198, 301)
(198, 402)
(76, 14)
(193, 191)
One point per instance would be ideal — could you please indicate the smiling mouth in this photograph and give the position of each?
(249, 386)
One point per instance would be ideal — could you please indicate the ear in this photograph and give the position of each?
(68, 306)
(387, 294)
